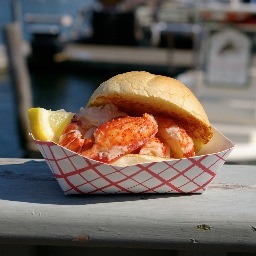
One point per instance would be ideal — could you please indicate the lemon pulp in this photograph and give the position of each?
(47, 125)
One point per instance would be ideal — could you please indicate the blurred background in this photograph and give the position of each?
(55, 53)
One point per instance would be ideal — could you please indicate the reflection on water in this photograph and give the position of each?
(51, 91)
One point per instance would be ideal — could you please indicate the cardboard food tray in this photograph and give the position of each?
(79, 175)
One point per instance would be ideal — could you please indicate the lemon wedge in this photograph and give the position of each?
(48, 125)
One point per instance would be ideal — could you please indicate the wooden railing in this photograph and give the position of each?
(36, 218)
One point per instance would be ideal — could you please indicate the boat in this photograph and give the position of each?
(117, 37)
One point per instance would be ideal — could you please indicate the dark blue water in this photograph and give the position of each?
(67, 7)
(9, 145)
(63, 91)
(51, 90)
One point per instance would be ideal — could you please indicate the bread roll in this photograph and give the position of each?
(133, 159)
(139, 92)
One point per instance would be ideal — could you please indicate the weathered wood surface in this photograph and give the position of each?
(34, 211)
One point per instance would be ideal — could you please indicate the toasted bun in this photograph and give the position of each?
(138, 92)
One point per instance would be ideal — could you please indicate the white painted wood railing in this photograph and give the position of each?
(36, 218)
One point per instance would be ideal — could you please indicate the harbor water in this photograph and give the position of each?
(9, 144)
(51, 90)
(47, 7)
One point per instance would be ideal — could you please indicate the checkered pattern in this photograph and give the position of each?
(79, 175)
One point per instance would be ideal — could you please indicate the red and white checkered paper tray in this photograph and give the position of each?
(79, 175)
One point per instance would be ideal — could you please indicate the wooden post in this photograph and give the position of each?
(16, 11)
(20, 81)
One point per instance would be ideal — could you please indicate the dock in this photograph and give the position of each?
(128, 55)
